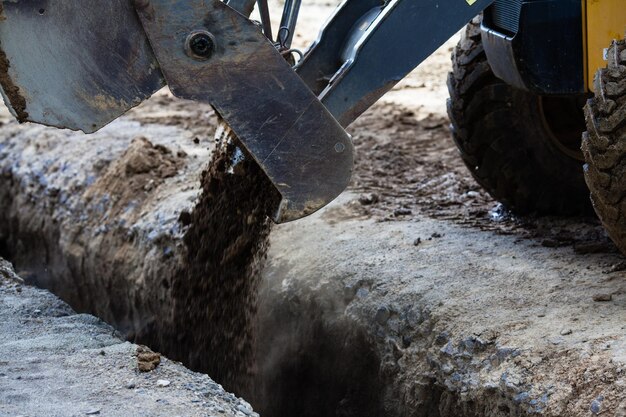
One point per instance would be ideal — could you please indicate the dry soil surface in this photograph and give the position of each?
(57, 363)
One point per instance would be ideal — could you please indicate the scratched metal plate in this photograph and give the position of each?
(77, 64)
(299, 145)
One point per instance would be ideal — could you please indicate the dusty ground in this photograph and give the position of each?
(414, 294)
(54, 362)
(487, 313)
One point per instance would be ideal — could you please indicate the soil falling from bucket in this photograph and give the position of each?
(215, 295)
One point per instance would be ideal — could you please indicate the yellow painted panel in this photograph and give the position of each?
(605, 21)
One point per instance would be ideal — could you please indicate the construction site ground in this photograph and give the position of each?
(413, 294)
(57, 363)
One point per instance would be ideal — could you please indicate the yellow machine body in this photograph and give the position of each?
(604, 21)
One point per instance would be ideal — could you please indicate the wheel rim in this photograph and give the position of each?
(564, 120)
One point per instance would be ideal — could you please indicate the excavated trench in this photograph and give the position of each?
(199, 305)
(293, 363)
(314, 361)
(196, 294)
(294, 356)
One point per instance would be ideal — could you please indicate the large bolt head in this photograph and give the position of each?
(200, 45)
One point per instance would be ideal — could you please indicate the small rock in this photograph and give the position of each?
(93, 411)
(130, 385)
(618, 267)
(402, 212)
(6, 271)
(163, 383)
(556, 340)
(442, 338)
(602, 297)
(596, 405)
(244, 409)
(382, 315)
(447, 369)
(149, 186)
(491, 386)
(431, 123)
(521, 397)
(448, 349)
(368, 199)
(362, 292)
(406, 341)
(565, 332)
(417, 241)
(408, 118)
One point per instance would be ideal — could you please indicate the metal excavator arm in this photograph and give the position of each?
(79, 64)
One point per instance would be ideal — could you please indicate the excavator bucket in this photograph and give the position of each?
(75, 64)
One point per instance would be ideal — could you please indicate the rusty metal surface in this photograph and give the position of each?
(296, 141)
(77, 64)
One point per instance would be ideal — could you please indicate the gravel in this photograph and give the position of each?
(55, 362)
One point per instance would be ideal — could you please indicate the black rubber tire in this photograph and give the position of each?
(604, 145)
(505, 140)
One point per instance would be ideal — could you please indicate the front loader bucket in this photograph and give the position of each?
(76, 64)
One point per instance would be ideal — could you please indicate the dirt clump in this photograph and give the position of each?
(147, 360)
(140, 169)
(18, 102)
(12, 91)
